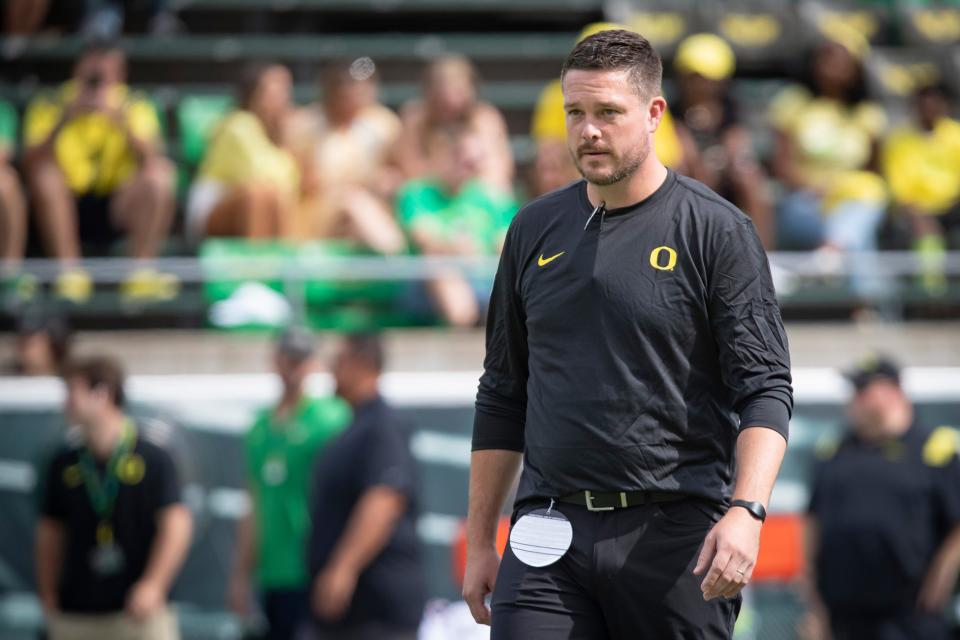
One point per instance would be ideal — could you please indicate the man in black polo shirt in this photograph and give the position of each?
(634, 351)
(364, 554)
(884, 521)
(113, 532)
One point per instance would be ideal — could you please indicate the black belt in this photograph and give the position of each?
(610, 500)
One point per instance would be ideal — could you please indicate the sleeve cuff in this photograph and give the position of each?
(496, 432)
(770, 413)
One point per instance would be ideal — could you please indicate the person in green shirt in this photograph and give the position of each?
(280, 450)
(453, 212)
(13, 206)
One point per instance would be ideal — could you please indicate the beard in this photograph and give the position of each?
(623, 168)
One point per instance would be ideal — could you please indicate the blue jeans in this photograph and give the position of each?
(851, 226)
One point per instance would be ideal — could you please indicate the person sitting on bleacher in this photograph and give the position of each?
(343, 142)
(717, 148)
(96, 174)
(13, 211)
(450, 98)
(921, 163)
(825, 154)
(248, 185)
(455, 213)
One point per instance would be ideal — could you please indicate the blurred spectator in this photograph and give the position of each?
(249, 184)
(42, 344)
(825, 154)
(450, 98)
(343, 143)
(281, 448)
(364, 551)
(13, 208)
(113, 532)
(95, 18)
(454, 213)
(717, 147)
(921, 163)
(26, 17)
(553, 165)
(96, 173)
(884, 518)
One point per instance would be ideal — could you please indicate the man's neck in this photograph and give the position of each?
(640, 186)
(104, 437)
(363, 394)
(289, 401)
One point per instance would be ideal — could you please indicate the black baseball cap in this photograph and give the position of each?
(296, 342)
(872, 368)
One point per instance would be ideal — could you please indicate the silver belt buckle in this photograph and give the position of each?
(589, 499)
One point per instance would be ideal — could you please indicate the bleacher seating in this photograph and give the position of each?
(517, 46)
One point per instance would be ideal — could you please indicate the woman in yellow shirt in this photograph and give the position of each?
(825, 154)
(248, 184)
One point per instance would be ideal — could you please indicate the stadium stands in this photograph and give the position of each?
(517, 47)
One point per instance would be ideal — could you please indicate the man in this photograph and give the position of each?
(281, 448)
(364, 555)
(96, 174)
(343, 143)
(884, 521)
(632, 322)
(452, 212)
(919, 164)
(113, 531)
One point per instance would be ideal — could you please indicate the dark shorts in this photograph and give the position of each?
(95, 225)
(287, 611)
(888, 625)
(627, 576)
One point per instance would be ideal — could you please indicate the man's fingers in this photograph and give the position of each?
(711, 584)
(478, 609)
(475, 600)
(706, 555)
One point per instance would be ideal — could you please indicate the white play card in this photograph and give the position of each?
(541, 537)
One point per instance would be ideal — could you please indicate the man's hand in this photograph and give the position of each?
(332, 592)
(478, 581)
(239, 595)
(145, 599)
(937, 587)
(730, 551)
(49, 603)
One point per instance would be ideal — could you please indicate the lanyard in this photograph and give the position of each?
(102, 492)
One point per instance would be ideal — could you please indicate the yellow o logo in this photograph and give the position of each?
(671, 259)
(72, 476)
(130, 469)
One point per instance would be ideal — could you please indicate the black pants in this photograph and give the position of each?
(366, 632)
(286, 611)
(888, 625)
(627, 576)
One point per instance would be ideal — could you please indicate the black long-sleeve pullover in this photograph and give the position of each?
(626, 349)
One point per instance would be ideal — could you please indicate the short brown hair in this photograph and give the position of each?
(366, 347)
(619, 50)
(98, 372)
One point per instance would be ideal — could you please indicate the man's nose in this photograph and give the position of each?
(590, 131)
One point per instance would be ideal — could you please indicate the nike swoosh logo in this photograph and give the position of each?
(541, 261)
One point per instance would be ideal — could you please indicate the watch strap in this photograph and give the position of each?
(756, 509)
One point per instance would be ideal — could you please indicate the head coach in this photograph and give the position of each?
(637, 363)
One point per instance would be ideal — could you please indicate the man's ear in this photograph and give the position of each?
(657, 109)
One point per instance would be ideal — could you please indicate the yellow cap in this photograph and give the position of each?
(841, 33)
(706, 54)
(596, 27)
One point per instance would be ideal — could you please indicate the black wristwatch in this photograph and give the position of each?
(755, 508)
